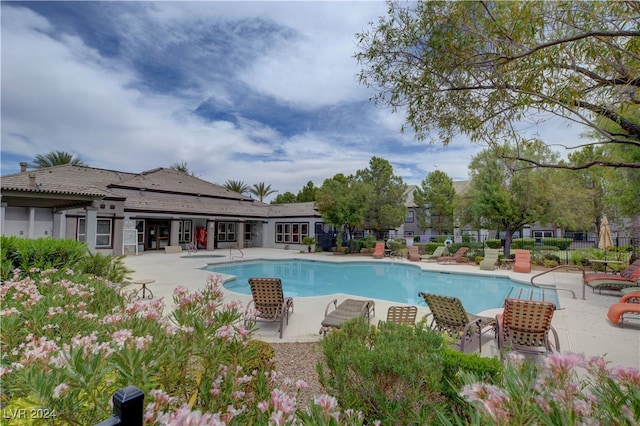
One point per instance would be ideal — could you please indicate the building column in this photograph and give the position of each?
(59, 225)
(174, 237)
(3, 207)
(211, 235)
(91, 217)
(32, 223)
(240, 234)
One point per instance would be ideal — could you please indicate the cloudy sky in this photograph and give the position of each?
(251, 91)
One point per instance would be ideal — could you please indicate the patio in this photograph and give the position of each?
(582, 325)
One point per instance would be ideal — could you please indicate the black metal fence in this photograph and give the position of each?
(128, 408)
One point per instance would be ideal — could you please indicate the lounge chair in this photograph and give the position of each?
(269, 301)
(522, 262)
(378, 251)
(628, 304)
(413, 253)
(613, 284)
(402, 314)
(630, 274)
(628, 278)
(345, 311)
(458, 257)
(490, 259)
(438, 252)
(524, 326)
(450, 317)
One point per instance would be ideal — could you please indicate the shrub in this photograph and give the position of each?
(390, 373)
(494, 243)
(457, 364)
(566, 389)
(41, 253)
(560, 243)
(431, 247)
(108, 266)
(523, 243)
(581, 257)
(263, 359)
(549, 263)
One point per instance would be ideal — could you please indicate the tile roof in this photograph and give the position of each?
(157, 191)
(293, 210)
(64, 179)
(147, 201)
(169, 180)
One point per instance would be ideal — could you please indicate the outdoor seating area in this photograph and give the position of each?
(490, 259)
(437, 253)
(449, 316)
(402, 315)
(628, 307)
(522, 261)
(582, 326)
(525, 326)
(413, 253)
(268, 303)
(345, 311)
(629, 277)
(458, 257)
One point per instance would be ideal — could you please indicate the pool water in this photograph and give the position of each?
(378, 280)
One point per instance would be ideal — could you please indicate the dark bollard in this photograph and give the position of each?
(128, 408)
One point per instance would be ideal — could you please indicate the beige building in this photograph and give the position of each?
(118, 212)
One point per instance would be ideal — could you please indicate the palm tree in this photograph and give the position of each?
(56, 158)
(261, 190)
(237, 186)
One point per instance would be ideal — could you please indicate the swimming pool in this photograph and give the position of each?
(379, 280)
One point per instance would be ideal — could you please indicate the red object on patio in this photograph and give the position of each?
(523, 261)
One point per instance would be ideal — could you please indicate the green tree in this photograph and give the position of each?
(386, 203)
(56, 158)
(435, 199)
(342, 202)
(307, 193)
(505, 196)
(622, 188)
(585, 203)
(237, 186)
(284, 198)
(490, 70)
(261, 190)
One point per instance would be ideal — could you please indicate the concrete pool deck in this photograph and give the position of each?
(582, 325)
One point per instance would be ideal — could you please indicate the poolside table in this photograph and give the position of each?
(606, 263)
(144, 288)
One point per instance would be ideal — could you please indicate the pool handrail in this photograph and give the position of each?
(567, 267)
(235, 247)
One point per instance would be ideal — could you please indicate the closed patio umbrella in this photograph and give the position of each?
(604, 242)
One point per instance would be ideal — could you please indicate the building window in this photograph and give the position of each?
(247, 231)
(287, 232)
(103, 232)
(226, 231)
(140, 229)
(184, 231)
(410, 217)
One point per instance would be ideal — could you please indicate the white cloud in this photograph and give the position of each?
(64, 92)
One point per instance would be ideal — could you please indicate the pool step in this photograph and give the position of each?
(529, 294)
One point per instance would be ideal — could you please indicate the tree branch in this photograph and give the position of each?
(576, 37)
(535, 164)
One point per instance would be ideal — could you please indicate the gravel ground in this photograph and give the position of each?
(298, 361)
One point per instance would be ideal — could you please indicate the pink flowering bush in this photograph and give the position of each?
(566, 389)
(70, 341)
